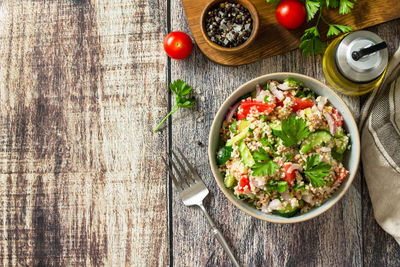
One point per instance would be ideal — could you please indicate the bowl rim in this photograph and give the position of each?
(325, 206)
(256, 25)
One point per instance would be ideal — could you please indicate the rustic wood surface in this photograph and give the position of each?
(82, 85)
(273, 39)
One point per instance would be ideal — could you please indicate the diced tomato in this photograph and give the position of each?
(342, 175)
(302, 103)
(289, 176)
(299, 103)
(246, 105)
(338, 118)
(243, 182)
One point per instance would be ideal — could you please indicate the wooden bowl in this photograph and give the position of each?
(255, 19)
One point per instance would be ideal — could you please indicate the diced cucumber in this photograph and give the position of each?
(336, 155)
(243, 124)
(339, 132)
(287, 212)
(275, 127)
(245, 154)
(341, 144)
(314, 139)
(238, 137)
(224, 154)
(229, 181)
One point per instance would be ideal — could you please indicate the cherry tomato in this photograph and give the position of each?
(248, 104)
(244, 181)
(291, 14)
(289, 176)
(178, 45)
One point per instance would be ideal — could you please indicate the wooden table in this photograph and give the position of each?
(82, 85)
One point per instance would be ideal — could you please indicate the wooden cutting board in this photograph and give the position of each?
(273, 39)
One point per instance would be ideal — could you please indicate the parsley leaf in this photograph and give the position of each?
(316, 170)
(335, 29)
(233, 126)
(310, 42)
(274, 3)
(265, 142)
(312, 7)
(264, 166)
(292, 81)
(260, 155)
(332, 3)
(181, 89)
(293, 131)
(345, 7)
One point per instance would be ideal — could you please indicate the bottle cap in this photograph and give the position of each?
(361, 56)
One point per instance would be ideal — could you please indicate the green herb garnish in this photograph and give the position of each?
(233, 126)
(264, 118)
(289, 157)
(316, 170)
(181, 89)
(265, 142)
(264, 166)
(310, 41)
(292, 82)
(293, 131)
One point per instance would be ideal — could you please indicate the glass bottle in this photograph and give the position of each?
(354, 64)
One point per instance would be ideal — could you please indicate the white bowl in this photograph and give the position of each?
(351, 159)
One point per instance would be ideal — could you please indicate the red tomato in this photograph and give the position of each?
(342, 175)
(302, 103)
(291, 14)
(289, 176)
(246, 105)
(178, 45)
(244, 181)
(338, 118)
(299, 103)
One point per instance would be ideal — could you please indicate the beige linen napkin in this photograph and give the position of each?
(380, 149)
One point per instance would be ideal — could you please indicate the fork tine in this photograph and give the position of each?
(194, 173)
(181, 178)
(182, 167)
(177, 185)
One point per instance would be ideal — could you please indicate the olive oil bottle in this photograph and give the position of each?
(355, 64)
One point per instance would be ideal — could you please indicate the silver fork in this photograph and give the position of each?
(192, 191)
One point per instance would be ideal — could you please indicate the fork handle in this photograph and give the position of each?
(219, 237)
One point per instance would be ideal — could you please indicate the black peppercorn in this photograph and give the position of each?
(228, 24)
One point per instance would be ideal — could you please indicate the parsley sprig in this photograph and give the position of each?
(181, 89)
(293, 131)
(264, 165)
(316, 170)
(310, 41)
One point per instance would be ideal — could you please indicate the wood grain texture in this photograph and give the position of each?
(80, 182)
(273, 39)
(336, 238)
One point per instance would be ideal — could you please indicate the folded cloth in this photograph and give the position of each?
(380, 148)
